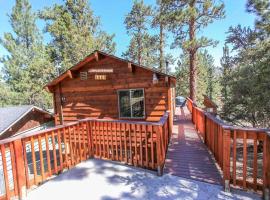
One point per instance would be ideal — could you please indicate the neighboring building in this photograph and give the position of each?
(105, 86)
(21, 119)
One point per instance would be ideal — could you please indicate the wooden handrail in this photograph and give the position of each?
(228, 142)
(37, 156)
(160, 122)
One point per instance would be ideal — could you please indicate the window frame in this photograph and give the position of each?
(129, 90)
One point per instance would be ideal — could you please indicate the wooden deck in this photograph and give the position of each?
(187, 155)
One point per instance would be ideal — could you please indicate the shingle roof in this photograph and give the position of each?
(9, 115)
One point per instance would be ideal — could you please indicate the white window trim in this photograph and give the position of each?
(119, 115)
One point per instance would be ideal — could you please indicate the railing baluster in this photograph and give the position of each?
(25, 164)
(66, 148)
(48, 154)
(121, 146)
(135, 137)
(71, 147)
(75, 155)
(13, 165)
(108, 141)
(103, 140)
(152, 146)
(34, 160)
(266, 166)
(141, 147)
(54, 153)
(116, 143)
(4, 162)
(83, 140)
(146, 145)
(226, 158)
(41, 158)
(112, 146)
(130, 145)
(245, 160)
(234, 157)
(78, 128)
(255, 162)
(125, 139)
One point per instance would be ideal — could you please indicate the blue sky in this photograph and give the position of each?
(112, 14)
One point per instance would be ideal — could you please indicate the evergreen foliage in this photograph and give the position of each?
(75, 33)
(248, 82)
(27, 67)
(207, 79)
(143, 46)
(185, 19)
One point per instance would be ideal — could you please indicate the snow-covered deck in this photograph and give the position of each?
(106, 180)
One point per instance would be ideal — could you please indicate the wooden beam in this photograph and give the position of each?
(70, 74)
(96, 56)
(167, 81)
(130, 67)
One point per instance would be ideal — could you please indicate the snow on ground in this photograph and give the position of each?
(106, 180)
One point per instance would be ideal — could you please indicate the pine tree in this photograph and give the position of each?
(226, 67)
(185, 19)
(75, 31)
(247, 102)
(27, 67)
(137, 23)
(207, 79)
(160, 22)
(148, 52)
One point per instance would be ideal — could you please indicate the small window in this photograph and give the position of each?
(83, 76)
(131, 103)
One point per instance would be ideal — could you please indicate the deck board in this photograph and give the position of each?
(187, 156)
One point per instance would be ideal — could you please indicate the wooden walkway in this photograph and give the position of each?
(187, 155)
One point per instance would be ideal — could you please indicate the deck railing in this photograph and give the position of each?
(243, 154)
(31, 159)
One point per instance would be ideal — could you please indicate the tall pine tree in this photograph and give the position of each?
(185, 19)
(143, 47)
(27, 67)
(75, 31)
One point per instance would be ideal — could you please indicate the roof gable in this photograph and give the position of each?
(11, 115)
(97, 56)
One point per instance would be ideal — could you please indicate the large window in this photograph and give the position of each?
(131, 103)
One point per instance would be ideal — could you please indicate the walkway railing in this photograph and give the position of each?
(243, 154)
(31, 159)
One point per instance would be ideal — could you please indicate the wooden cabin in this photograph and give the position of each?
(107, 87)
(15, 120)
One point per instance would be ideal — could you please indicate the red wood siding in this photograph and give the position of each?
(99, 98)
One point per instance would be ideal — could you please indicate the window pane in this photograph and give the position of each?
(137, 103)
(124, 103)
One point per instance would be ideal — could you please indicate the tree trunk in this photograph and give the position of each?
(192, 61)
(139, 40)
(192, 75)
(161, 48)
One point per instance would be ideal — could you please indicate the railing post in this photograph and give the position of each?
(226, 159)
(20, 168)
(159, 156)
(266, 163)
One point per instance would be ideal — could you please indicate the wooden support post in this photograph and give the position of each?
(20, 168)
(226, 159)
(170, 108)
(159, 156)
(266, 167)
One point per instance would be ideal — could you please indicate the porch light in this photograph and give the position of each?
(155, 78)
(63, 99)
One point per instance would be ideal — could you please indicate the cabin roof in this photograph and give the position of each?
(95, 55)
(12, 114)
